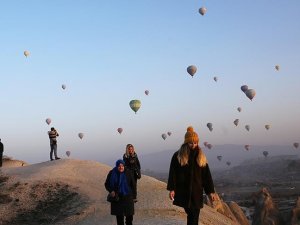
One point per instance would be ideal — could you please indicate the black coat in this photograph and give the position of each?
(133, 164)
(125, 205)
(189, 181)
(1, 147)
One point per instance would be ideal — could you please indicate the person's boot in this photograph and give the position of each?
(57, 158)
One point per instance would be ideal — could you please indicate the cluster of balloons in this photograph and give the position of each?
(250, 93)
(164, 136)
(207, 145)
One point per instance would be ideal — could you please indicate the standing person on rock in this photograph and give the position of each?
(53, 143)
(1, 152)
(132, 163)
(120, 182)
(189, 175)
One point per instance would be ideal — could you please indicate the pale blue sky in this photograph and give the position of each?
(109, 52)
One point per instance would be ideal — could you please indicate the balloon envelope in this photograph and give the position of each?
(239, 109)
(202, 11)
(80, 135)
(169, 133)
(63, 86)
(219, 157)
(209, 146)
(68, 153)
(236, 122)
(120, 130)
(216, 79)
(209, 125)
(147, 92)
(244, 88)
(48, 121)
(205, 143)
(277, 67)
(164, 136)
(265, 153)
(250, 93)
(296, 144)
(247, 127)
(247, 147)
(26, 53)
(191, 70)
(267, 126)
(135, 105)
(228, 163)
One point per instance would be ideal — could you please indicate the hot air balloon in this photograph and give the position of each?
(169, 133)
(146, 92)
(63, 86)
(250, 93)
(247, 147)
(164, 136)
(265, 153)
(120, 130)
(236, 122)
(205, 143)
(202, 11)
(209, 125)
(135, 105)
(48, 121)
(267, 126)
(296, 144)
(216, 79)
(219, 157)
(244, 88)
(68, 153)
(209, 146)
(277, 67)
(247, 127)
(26, 53)
(228, 163)
(239, 109)
(80, 135)
(191, 70)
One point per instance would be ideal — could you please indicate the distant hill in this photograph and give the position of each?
(236, 154)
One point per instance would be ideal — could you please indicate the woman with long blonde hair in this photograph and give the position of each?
(189, 175)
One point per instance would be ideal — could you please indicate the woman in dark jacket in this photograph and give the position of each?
(132, 163)
(120, 182)
(189, 175)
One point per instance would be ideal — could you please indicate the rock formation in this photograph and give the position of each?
(9, 162)
(266, 212)
(296, 214)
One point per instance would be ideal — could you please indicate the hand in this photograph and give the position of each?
(113, 193)
(171, 195)
(212, 197)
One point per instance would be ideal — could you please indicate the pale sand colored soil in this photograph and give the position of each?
(88, 177)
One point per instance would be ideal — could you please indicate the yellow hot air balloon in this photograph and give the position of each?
(135, 105)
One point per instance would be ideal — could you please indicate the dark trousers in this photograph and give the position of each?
(120, 220)
(192, 216)
(1, 156)
(53, 148)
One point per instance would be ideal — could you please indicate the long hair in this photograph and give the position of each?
(127, 152)
(184, 152)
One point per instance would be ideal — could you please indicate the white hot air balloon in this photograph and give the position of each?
(202, 11)
(164, 136)
(80, 135)
(26, 53)
(48, 121)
